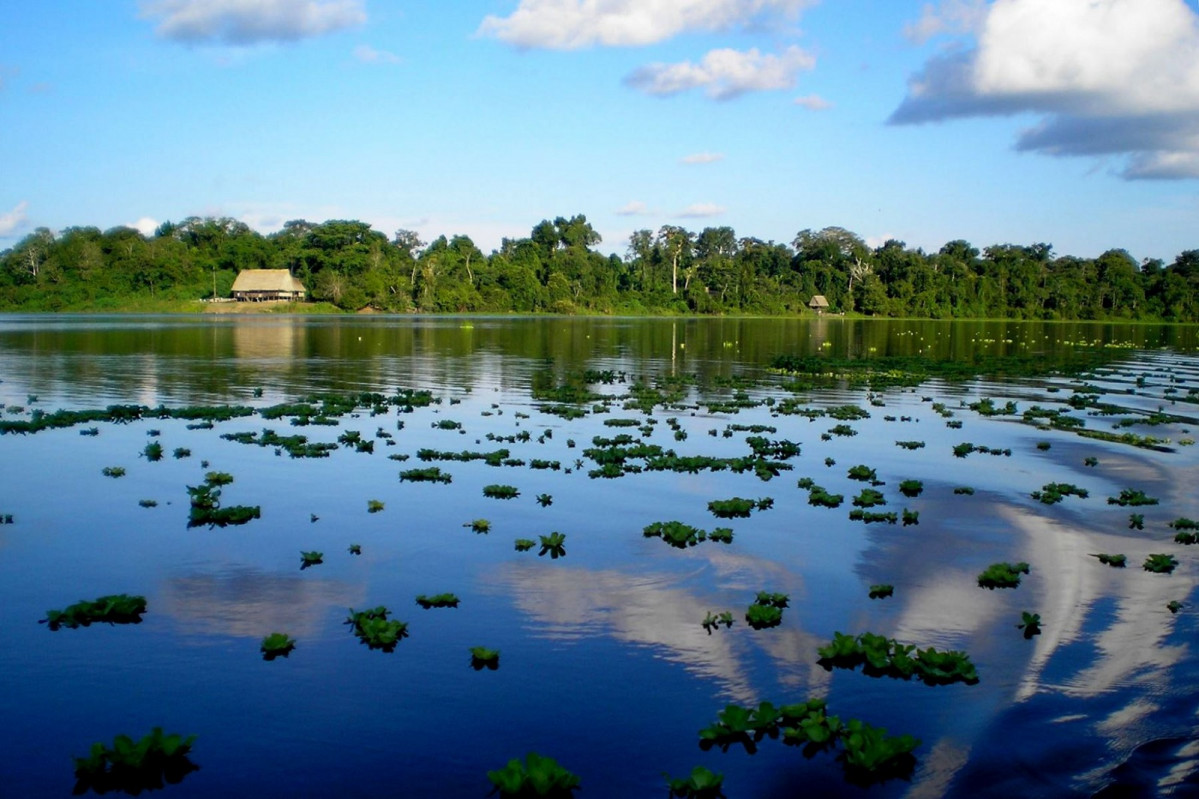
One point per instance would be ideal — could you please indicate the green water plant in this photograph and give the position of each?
(1030, 623)
(964, 490)
(701, 784)
(130, 766)
(480, 526)
(911, 488)
(148, 503)
(1053, 493)
(868, 498)
(374, 506)
(873, 517)
(153, 451)
(355, 549)
(483, 658)
(1136, 521)
(1002, 575)
(537, 776)
(818, 496)
(738, 507)
(113, 471)
(910, 444)
(277, 645)
(437, 601)
(910, 517)
(553, 544)
(885, 657)
(1174, 606)
(545, 500)
(862, 472)
(714, 621)
(313, 558)
(525, 544)
(376, 630)
(881, 591)
(496, 491)
(1115, 561)
(766, 610)
(431, 474)
(1160, 563)
(205, 502)
(1132, 497)
(112, 609)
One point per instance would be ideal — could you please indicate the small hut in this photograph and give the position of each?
(258, 285)
(818, 303)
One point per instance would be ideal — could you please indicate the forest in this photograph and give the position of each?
(347, 265)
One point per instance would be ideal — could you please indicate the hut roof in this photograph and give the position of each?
(818, 301)
(266, 280)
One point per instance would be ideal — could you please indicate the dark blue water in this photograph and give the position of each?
(604, 663)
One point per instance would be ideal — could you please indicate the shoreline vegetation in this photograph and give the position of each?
(348, 267)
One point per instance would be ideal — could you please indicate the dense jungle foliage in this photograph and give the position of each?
(555, 269)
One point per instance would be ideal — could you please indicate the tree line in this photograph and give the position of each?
(555, 269)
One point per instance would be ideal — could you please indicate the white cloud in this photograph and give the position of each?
(702, 158)
(701, 210)
(724, 74)
(14, 220)
(1108, 77)
(146, 226)
(946, 17)
(813, 102)
(369, 55)
(634, 208)
(574, 24)
(245, 22)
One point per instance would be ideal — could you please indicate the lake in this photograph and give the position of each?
(605, 662)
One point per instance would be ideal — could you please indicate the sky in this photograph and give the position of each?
(1069, 122)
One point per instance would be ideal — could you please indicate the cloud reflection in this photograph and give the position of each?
(250, 603)
(652, 610)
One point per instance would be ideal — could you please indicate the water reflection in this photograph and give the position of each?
(250, 603)
(654, 610)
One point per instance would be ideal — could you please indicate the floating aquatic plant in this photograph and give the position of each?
(313, 558)
(148, 503)
(355, 549)
(701, 784)
(479, 526)
(373, 506)
(112, 609)
(911, 488)
(277, 645)
(1160, 563)
(1174, 606)
(131, 767)
(881, 591)
(483, 658)
(821, 497)
(432, 474)
(1053, 493)
(965, 490)
(373, 628)
(862, 472)
(537, 776)
(1030, 623)
(910, 444)
(1115, 561)
(681, 536)
(868, 498)
(496, 491)
(873, 517)
(1091, 461)
(553, 545)
(545, 500)
(1131, 497)
(113, 471)
(766, 610)
(738, 507)
(1136, 521)
(910, 517)
(153, 451)
(885, 657)
(713, 621)
(205, 501)
(525, 544)
(437, 601)
(1002, 575)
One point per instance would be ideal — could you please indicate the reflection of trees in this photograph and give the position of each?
(650, 610)
(251, 603)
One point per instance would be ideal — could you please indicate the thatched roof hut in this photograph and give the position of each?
(818, 303)
(256, 285)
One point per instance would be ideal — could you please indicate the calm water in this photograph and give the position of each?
(604, 663)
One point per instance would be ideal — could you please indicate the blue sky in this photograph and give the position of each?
(1073, 122)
